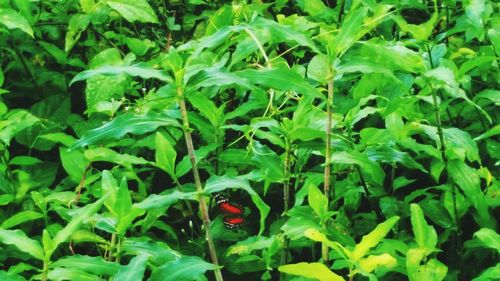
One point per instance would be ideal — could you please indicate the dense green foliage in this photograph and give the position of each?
(360, 136)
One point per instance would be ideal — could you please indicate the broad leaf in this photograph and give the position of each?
(183, 268)
(315, 270)
(18, 239)
(124, 124)
(372, 239)
(137, 10)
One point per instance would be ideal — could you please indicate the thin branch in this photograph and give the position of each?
(199, 188)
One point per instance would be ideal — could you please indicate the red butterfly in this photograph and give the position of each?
(232, 211)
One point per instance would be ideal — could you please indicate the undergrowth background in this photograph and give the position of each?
(360, 136)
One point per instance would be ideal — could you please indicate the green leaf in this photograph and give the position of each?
(490, 274)
(140, 69)
(6, 276)
(14, 122)
(315, 270)
(134, 270)
(393, 56)
(350, 32)
(280, 79)
(216, 184)
(468, 180)
(20, 217)
(385, 153)
(155, 201)
(425, 235)
(490, 133)
(183, 268)
(372, 239)
(137, 10)
(318, 201)
(18, 239)
(165, 154)
(24, 161)
(127, 123)
(74, 162)
(373, 262)
(422, 31)
(489, 238)
(108, 155)
(77, 24)
(83, 214)
(94, 265)
(123, 205)
(62, 274)
(354, 157)
(319, 68)
(13, 20)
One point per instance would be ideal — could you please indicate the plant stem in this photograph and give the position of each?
(286, 200)
(326, 180)
(45, 270)
(199, 188)
(442, 149)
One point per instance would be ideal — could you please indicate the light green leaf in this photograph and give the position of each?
(373, 262)
(14, 122)
(74, 162)
(134, 270)
(280, 79)
(319, 68)
(315, 270)
(165, 154)
(140, 69)
(393, 56)
(137, 10)
(124, 124)
(216, 184)
(77, 24)
(184, 268)
(155, 201)
(318, 201)
(490, 133)
(108, 155)
(13, 20)
(372, 239)
(18, 239)
(350, 32)
(425, 235)
(20, 217)
(489, 238)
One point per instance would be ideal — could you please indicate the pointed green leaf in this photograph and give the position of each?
(315, 270)
(425, 235)
(165, 154)
(18, 239)
(134, 270)
(13, 20)
(372, 239)
(125, 124)
(136, 10)
(184, 268)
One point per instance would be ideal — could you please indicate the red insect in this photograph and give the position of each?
(232, 212)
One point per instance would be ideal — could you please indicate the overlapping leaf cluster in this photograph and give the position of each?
(361, 137)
